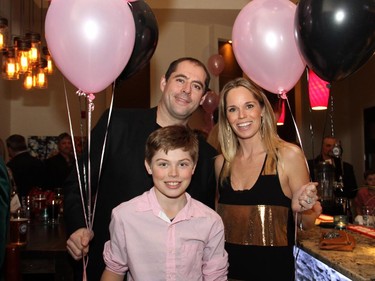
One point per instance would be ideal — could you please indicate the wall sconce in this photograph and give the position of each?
(318, 91)
(281, 119)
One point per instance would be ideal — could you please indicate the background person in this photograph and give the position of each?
(332, 153)
(123, 175)
(2, 150)
(58, 167)
(27, 171)
(178, 235)
(366, 194)
(262, 182)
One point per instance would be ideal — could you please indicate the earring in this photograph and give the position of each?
(261, 127)
(229, 133)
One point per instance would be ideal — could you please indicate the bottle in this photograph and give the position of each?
(44, 216)
(28, 208)
(348, 209)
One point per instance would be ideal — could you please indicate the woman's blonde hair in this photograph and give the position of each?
(228, 139)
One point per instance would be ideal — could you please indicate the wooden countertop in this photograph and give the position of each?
(358, 265)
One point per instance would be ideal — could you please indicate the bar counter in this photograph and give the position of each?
(358, 265)
(45, 252)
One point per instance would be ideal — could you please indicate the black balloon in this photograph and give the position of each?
(335, 37)
(146, 38)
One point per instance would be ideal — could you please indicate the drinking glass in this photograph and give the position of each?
(367, 216)
(53, 211)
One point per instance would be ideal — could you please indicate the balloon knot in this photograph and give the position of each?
(90, 97)
(282, 95)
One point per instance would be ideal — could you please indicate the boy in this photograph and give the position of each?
(164, 234)
(366, 194)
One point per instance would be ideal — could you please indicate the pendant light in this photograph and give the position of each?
(4, 32)
(10, 71)
(281, 119)
(40, 77)
(49, 60)
(34, 53)
(318, 91)
(23, 46)
(28, 80)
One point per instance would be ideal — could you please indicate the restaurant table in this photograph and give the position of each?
(45, 256)
(356, 265)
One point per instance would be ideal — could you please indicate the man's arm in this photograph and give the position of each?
(4, 208)
(111, 276)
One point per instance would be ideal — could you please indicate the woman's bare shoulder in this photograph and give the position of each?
(290, 152)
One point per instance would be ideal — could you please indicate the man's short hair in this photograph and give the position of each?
(16, 143)
(173, 66)
(63, 136)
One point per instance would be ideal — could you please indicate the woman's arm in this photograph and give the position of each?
(296, 177)
(218, 166)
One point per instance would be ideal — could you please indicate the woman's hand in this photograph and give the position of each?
(308, 197)
(310, 207)
(305, 197)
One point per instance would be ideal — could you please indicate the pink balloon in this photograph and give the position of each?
(90, 41)
(264, 44)
(211, 102)
(215, 64)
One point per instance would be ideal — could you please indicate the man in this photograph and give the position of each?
(27, 171)
(123, 175)
(332, 153)
(58, 166)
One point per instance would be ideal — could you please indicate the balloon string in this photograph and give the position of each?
(81, 127)
(90, 108)
(331, 116)
(75, 154)
(103, 151)
(284, 96)
(307, 166)
(88, 211)
(84, 258)
(89, 217)
(311, 128)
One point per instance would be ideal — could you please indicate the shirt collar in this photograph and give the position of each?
(150, 202)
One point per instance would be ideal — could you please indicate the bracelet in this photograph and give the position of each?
(300, 223)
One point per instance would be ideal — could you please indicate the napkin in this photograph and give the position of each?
(338, 240)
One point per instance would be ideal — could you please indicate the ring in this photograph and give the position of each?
(308, 200)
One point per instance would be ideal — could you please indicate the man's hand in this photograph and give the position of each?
(78, 243)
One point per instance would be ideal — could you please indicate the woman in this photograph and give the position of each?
(262, 182)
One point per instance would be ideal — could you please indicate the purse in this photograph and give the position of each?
(337, 240)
